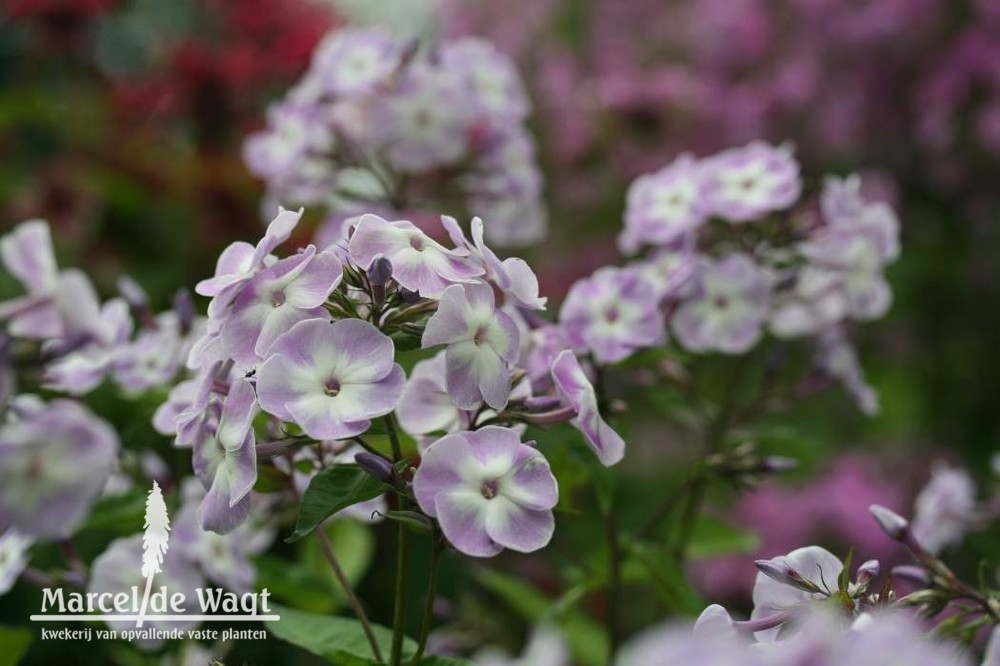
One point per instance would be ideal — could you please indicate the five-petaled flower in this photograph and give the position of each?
(330, 378)
(488, 490)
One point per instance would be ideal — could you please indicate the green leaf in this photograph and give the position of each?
(405, 341)
(339, 640)
(354, 545)
(586, 640)
(667, 576)
(114, 512)
(13, 644)
(270, 480)
(714, 538)
(417, 521)
(331, 490)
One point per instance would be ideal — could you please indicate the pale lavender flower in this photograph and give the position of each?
(744, 184)
(349, 62)
(119, 569)
(241, 261)
(489, 79)
(817, 567)
(103, 345)
(482, 345)
(157, 354)
(546, 645)
(293, 132)
(275, 299)
(578, 393)
(612, 314)
(542, 346)
(664, 206)
(842, 206)
(668, 270)
(54, 462)
(419, 263)
(27, 253)
(227, 464)
(837, 357)
(945, 509)
(675, 643)
(425, 120)
(224, 559)
(729, 302)
(13, 557)
(330, 378)
(425, 406)
(854, 261)
(488, 491)
(512, 276)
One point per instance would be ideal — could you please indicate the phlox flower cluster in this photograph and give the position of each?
(376, 119)
(729, 252)
(307, 346)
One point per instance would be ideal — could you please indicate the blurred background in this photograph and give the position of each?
(122, 124)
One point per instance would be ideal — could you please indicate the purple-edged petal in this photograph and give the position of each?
(518, 528)
(462, 520)
(578, 392)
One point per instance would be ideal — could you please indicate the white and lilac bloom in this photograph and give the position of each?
(664, 206)
(488, 491)
(489, 78)
(425, 406)
(843, 206)
(419, 263)
(726, 308)
(14, 548)
(482, 345)
(854, 259)
(945, 509)
(227, 464)
(512, 276)
(836, 356)
(351, 62)
(669, 270)
(27, 254)
(293, 131)
(425, 121)
(292, 290)
(224, 559)
(157, 354)
(95, 351)
(545, 646)
(330, 378)
(119, 569)
(578, 393)
(55, 460)
(542, 345)
(612, 314)
(744, 184)
(810, 573)
(241, 261)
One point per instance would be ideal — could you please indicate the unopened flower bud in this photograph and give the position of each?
(893, 524)
(409, 297)
(379, 271)
(375, 465)
(914, 575)
(184, 308)
(779, 570)
(867, 571)
(778, 464)
(132, 293)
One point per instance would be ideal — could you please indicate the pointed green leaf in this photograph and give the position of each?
(333, 489)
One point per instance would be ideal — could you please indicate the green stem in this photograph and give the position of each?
(614, 582)
(425, 627)
(352, 598)
(402, 558)
(691, 510)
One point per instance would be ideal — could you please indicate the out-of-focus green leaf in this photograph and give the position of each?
(586, 639)
(714, 538)
(118, 511)
(646, 562)
(331, 490)
(339, 640)
(13, 644)
(354, 545)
